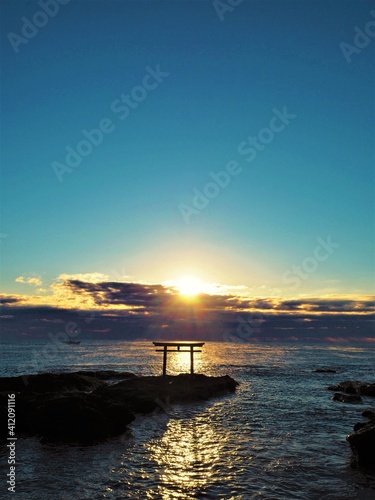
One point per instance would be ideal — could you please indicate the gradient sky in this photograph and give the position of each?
(118, 212)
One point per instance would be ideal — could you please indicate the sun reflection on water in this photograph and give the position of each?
(179, 362)
(186, 454)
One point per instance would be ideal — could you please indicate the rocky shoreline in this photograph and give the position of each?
(89, 406)
(362, 440)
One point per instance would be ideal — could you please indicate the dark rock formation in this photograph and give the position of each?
(369, 413)
(359, 425)
(353, 390)
(81, 417)
(141, 391)
(368, 390)
(324, 370)
(362, 440)
(354, 387)
(362, 443)
(347, 398)
(82, 407)
(61, 382)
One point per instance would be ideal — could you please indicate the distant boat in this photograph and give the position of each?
(72, 341)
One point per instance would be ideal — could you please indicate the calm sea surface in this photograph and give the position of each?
(280, 436)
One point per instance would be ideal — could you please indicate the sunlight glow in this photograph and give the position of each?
(191, 286)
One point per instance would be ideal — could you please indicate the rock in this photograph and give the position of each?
(368, 390)
(347, 398)
(53, 382)
(362, 443)
(359, 425)
(141, 393)
(324, 370)
(82, 407)
(333, 388)
(369, 413)
(80, 417)
(354, 387)
(66, 382)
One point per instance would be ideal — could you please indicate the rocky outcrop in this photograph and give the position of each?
(369, 413)
(362, 443)
(80, 417)
(362, 440)
(61, 382)
(84, 407)
(351, 391)
(324, 370)
(354, 387)
(347, 398)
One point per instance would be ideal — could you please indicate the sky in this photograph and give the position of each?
(146, 141)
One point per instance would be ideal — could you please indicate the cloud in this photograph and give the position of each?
(334, 305)
(9, 299)
(29, 281)
(86, 277)
(74, 292)
(117, 309)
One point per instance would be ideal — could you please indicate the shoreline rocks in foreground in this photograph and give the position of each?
(90, 406)
(362, 443)
(362, 440)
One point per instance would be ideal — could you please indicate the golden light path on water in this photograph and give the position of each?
(190, 450)
(184, 450)
(183, 454)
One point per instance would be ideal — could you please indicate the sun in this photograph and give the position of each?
(190, 286)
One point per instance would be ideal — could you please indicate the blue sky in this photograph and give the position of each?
(119, 212)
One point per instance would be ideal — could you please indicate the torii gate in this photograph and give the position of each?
(178, 345)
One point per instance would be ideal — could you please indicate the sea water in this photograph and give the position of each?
(280, 436)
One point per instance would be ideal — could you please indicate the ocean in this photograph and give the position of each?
(280, 436)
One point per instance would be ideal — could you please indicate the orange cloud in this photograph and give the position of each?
(29, 281)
